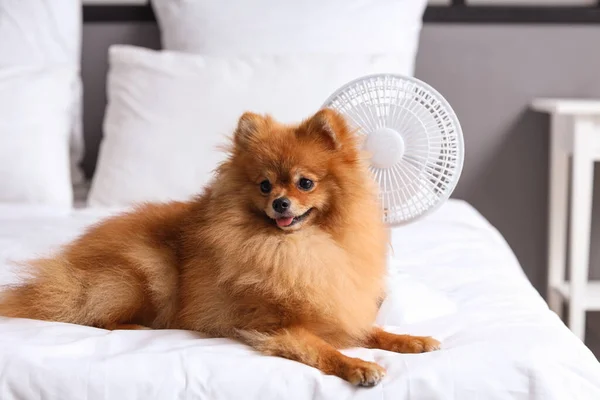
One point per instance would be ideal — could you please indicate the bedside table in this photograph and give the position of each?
(574, 133)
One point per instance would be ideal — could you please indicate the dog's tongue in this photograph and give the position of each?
(287, 221)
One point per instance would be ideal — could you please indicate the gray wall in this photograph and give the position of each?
(489, 74)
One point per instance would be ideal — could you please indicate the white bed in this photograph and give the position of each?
(500, 341)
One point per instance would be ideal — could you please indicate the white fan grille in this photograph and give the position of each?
(417, 172)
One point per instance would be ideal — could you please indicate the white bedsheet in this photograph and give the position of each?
(500, 341)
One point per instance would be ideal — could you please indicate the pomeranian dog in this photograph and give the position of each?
(285, 251)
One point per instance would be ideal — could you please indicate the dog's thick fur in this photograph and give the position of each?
(220, 264)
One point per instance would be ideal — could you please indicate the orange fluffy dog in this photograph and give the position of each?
(285, 251)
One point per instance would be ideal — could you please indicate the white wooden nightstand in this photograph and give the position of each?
(575, 133)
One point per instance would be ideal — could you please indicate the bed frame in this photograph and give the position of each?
(451, 11)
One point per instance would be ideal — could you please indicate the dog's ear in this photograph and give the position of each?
(249, 125)
(327, 126)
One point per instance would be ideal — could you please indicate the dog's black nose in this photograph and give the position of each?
(281, 204)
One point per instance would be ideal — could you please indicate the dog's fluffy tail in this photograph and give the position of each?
(50, 290)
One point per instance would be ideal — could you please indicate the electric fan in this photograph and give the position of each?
(414, 139)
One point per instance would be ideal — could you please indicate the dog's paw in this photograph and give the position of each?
(422, 344)
(364, 373)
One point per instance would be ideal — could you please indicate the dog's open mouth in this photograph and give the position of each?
(285, 222)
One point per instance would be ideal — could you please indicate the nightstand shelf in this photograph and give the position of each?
(591, 300)
(575, 137)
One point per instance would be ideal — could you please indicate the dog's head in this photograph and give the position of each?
(292, 173)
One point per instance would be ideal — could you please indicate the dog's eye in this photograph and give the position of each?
(265, 186)
(305, 184)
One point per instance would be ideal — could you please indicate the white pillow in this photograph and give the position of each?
(291, 26)
(46, 33)
(35, 121)
(168, 111)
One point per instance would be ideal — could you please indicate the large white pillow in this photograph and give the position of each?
(46, 33)
(236, 27)
(168, 112)
(35, 121)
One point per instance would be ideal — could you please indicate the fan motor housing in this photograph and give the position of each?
(386, 147)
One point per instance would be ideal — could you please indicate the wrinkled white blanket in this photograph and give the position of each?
(454, 278)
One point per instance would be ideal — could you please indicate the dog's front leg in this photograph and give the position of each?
(299, 344)
(380, 339)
